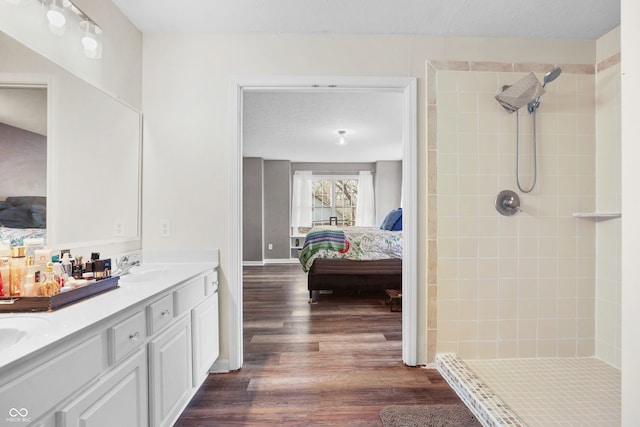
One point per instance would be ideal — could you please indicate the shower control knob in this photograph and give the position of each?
(508, 203)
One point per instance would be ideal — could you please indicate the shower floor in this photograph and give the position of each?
(538, 392)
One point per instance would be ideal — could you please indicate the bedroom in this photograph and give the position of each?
(347, 143)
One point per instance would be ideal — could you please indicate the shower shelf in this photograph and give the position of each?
(598, 215)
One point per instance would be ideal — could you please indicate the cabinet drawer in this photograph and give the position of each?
(40, 389)
(210, 283)
(188, 296)
(160, 313)
(126, 336)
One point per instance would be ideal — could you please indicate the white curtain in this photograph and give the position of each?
(365, 211)
(302, 199)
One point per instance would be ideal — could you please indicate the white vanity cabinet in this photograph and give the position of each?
(170, 373)
(138, 367)
(206, 347)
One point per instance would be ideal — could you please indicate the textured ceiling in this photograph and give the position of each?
(302, 126)
(583, 19)
(24, 108)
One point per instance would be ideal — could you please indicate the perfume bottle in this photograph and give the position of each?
(31, 278)
(49, 286)
(17, 270)
(5, 277)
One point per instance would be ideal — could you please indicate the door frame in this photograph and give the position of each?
(408, 87)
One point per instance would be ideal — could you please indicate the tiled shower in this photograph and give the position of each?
(542, 284)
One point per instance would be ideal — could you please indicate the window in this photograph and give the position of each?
(335, 197)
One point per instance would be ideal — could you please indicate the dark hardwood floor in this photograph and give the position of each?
(335, 363)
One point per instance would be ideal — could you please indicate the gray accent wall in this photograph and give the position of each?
(277, 179)
(267, 200)
(388, 187)
(253, 170)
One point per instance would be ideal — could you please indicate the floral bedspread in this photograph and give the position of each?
(354, 243)
(16, 236)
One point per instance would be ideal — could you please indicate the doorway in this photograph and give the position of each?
(407, 86)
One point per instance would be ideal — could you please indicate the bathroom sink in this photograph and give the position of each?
(141, 274)
(16, 328)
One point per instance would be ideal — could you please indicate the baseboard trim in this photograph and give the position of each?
(220, 367)
(282, 261)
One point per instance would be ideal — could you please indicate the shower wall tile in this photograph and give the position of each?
(519, 286)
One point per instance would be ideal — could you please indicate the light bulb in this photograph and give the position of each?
(341, 137)
(89, 43)
(91, 39)
(56, 17)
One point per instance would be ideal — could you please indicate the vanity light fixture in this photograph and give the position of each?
(60, 13)
(342, 137)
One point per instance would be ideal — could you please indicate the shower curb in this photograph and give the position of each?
(488, 408)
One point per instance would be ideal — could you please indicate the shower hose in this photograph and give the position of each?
(535, 165)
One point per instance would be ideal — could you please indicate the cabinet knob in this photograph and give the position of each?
(134, 336)
(165, 313)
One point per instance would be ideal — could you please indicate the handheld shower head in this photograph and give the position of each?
(552, 75)
(548, 78)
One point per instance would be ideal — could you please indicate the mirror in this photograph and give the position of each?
(23, 162)
(93, 154)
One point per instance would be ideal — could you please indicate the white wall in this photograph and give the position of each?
(630, 34)
(186, 98)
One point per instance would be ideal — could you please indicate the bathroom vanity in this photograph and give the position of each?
(133, 356)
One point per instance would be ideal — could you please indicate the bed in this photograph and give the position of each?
(22, 218)
(354, 258)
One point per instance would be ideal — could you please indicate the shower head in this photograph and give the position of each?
(552, 75)
(548, 78)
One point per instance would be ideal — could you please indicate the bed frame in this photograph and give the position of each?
(337, 274)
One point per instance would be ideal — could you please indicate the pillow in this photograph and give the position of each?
(393, 220)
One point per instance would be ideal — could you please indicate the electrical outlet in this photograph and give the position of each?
(165, 228)
(270, 247)
(118, 228)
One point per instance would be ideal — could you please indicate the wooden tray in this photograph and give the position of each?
(22, 304)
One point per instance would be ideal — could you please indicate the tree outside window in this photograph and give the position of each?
(335, 197)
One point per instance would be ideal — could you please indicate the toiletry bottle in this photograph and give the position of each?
(17, 270)
(57, 273)
(77, 268)
(31, 279)
(66, 267)
(49, 286)
(6, 277)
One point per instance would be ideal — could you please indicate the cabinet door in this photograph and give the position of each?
(117, 399)
(206, 347)
(170, 373)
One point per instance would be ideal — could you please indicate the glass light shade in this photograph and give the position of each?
(341, 137)
(56, 14)
(91, 39)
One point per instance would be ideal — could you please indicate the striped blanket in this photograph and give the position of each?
(322, 239)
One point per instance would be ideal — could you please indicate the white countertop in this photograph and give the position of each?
(66, 321)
